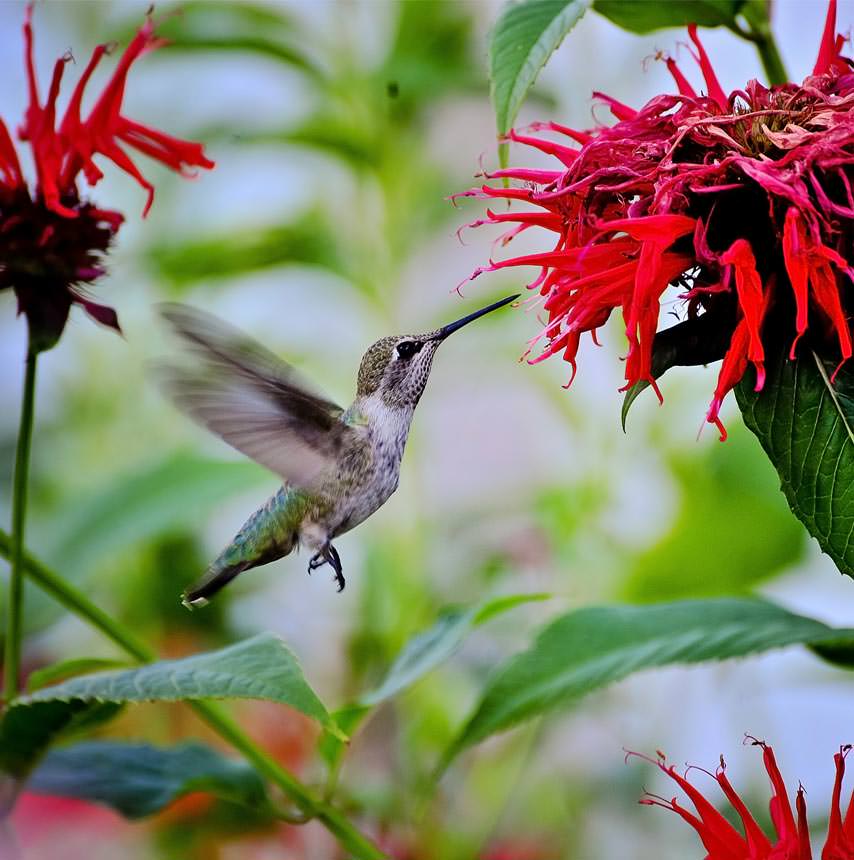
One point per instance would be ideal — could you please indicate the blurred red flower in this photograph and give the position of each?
(744, 201)
(52, 242)
(722, 841)
(47, 826)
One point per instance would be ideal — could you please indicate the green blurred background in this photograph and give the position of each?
(339, 130)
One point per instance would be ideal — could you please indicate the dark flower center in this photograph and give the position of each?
(46, 258)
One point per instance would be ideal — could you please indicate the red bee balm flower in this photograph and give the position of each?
(745, 200)
(722, 841)
(52, 242)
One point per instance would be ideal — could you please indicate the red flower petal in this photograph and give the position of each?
(542, 177)
(804, 849)
(838, 846)
(828, 52)
(662, 229)
(38, 127)
(621, 111)
(826, 294)
(99, 133)
(716, 92)
(563, 153)
(781, 810)
(100, 313)
(758, 844)
(10, 167)
(682, 84)
(732, 369)
(71, 129)
(796, 266)
(748, 285)
(577, 136)
(720, 839)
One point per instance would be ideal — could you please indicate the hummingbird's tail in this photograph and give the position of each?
(217, 576)
(267, 535)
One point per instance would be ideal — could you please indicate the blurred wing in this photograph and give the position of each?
(252, 399)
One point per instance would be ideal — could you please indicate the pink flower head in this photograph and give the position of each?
(743, 200)
(791, 841)
(52, 242)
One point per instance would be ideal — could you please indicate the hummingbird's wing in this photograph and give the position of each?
(252, 399)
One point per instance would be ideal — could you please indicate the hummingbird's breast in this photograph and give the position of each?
(368, 472)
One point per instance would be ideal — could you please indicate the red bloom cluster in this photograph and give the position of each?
(52, 242)
(722, 841)
(744, 201)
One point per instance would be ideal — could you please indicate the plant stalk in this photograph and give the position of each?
(15, 608)
(769, 56)
(77, 602)
(334, 821)
(762, 36)
(223, 724)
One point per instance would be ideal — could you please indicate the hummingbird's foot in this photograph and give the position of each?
(335, 560)
(328, 555)
(316, 561)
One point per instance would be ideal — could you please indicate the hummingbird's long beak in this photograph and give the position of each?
(450, 328)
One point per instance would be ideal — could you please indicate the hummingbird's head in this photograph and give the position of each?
(398, 367)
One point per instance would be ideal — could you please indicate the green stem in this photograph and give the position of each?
(223, 724)
(772, 62)
(761, 34)
(14, 623)
(312, 806)
(76, 602)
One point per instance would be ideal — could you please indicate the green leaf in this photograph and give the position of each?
(262, 667)
(431, 648)
(27, 733)
(644, 16)
(632, 394)
(757, 15)
(839, 652)
(524, 37)
(496, 606)
(70, 669)
(331, 748)
(806, 426)
(423, 653)
(307, 240)
(589, 648)
(169, 495)
(258, 668)
(139, 779)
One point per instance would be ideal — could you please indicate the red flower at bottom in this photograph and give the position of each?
(722, 841)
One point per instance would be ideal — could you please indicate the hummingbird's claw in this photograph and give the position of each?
(328, 555)
(335, 561)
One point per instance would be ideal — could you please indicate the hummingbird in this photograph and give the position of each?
(338, 466)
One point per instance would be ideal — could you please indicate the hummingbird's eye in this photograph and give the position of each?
(407, 348)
